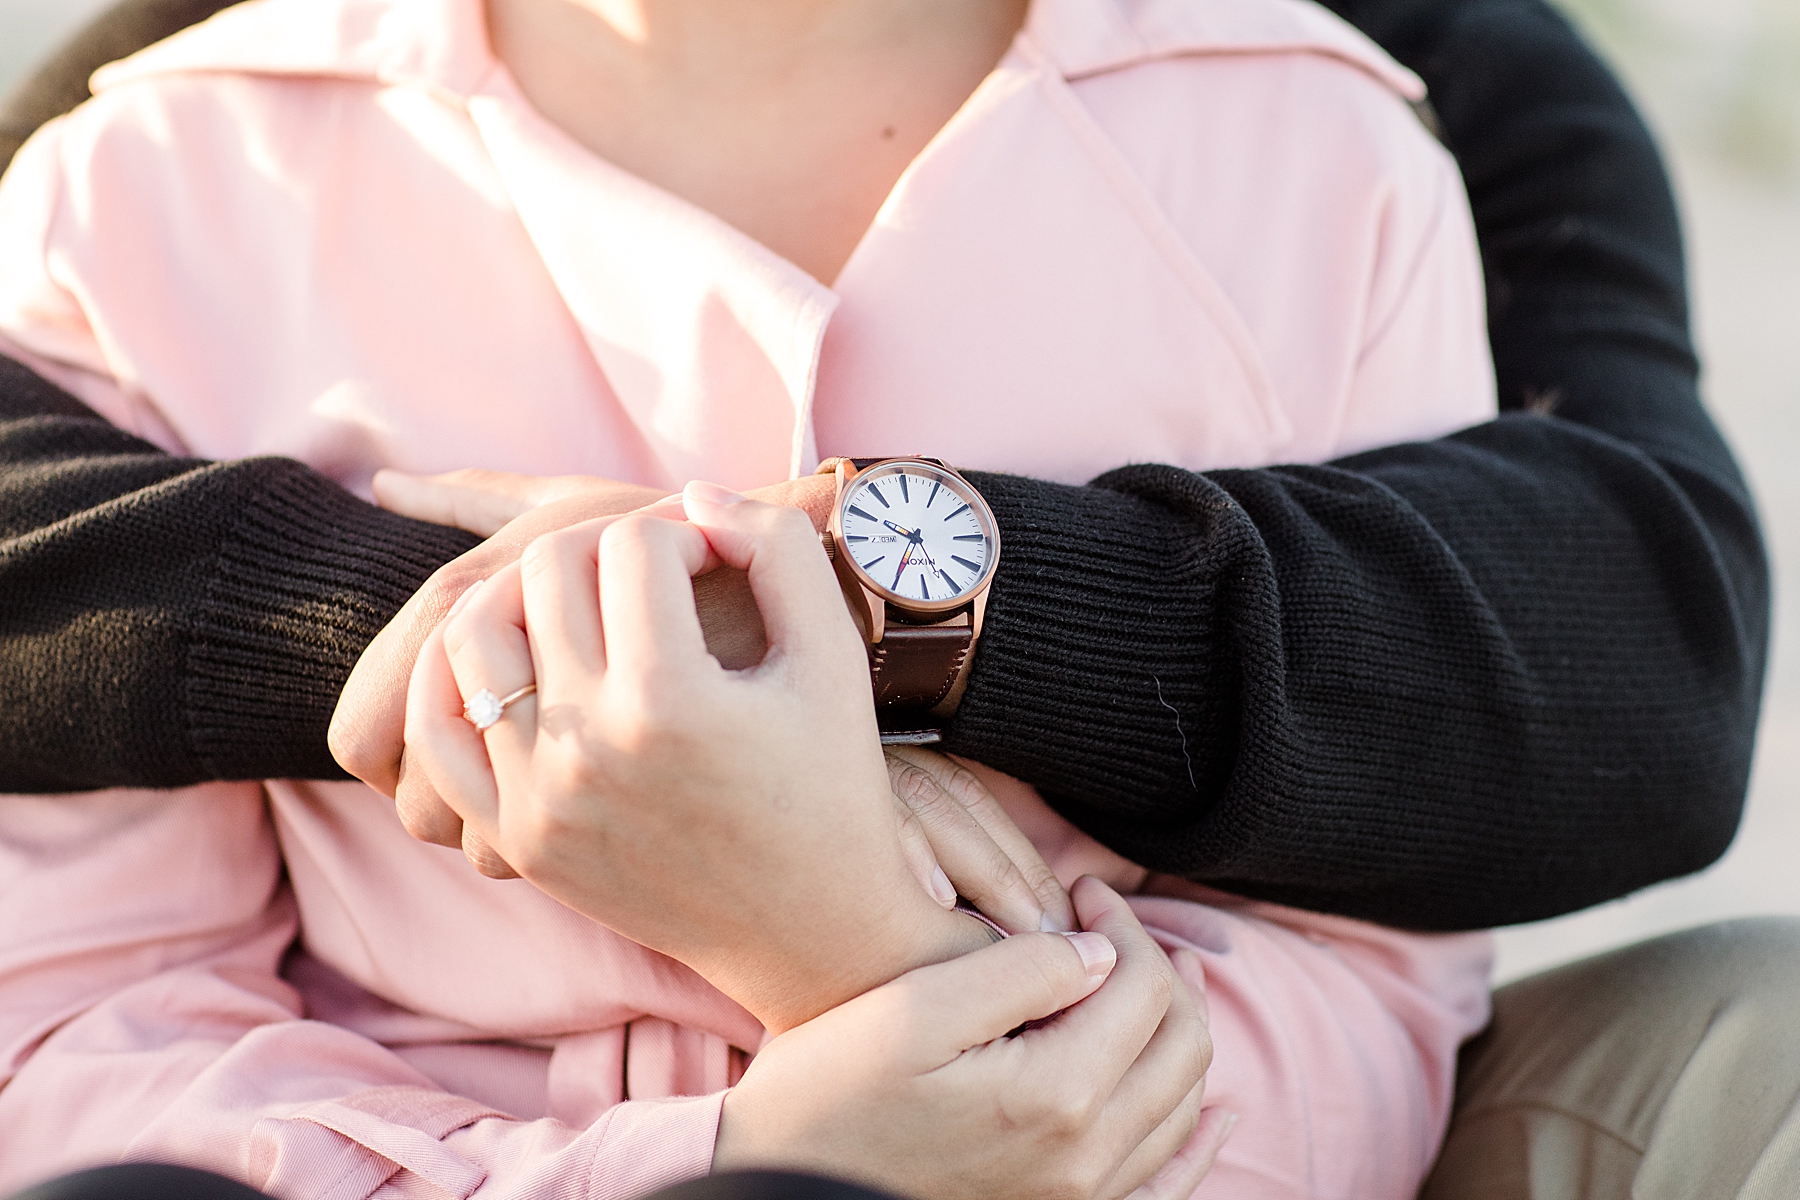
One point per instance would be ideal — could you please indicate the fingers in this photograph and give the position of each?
(367, 734)
(445, 752)
(792, 580)
(422, 811)
(647, 596)
(1099, 1040)
(478, 501)
(968, 856)
(560, 581)
(1183, 1172)
(1158, 1147)
(915, 848)
(1157, 1103)
(488, 651)
(983, 853)
(972, 1000)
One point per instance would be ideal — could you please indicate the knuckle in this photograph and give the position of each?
(1046, 967)
(654, 715)
(562, 781)
(1160, 987)
(541, 553)
(961, 783)
(1087, 1175)
(630, 534)
(343, 737)
(1203, 1051)
(914, 786)
(789, 525)
(428, 820)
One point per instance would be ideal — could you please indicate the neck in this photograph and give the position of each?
(704, 38)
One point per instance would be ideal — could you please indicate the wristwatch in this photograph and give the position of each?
(915, 547)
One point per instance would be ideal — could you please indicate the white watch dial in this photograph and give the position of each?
(918, 533)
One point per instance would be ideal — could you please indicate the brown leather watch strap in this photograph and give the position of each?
(914, 666)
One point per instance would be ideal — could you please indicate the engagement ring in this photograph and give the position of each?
(483, 710)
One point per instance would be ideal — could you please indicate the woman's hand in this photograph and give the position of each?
(956, 837)
(740, 821)
(368, 729)
(915, 1087)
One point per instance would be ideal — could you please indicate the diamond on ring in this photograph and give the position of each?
(483, 710)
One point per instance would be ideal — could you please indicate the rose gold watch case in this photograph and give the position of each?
(869, 599)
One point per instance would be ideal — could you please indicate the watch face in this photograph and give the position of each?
(920, 535)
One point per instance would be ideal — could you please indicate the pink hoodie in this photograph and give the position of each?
(1201, 232)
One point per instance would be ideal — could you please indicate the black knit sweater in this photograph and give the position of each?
(1455, 684)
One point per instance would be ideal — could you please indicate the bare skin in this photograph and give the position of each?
(789, 119)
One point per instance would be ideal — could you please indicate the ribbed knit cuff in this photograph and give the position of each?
(1096, 674)
(306, 575)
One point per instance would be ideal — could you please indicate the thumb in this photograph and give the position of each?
(477, 501)
(972, 1000)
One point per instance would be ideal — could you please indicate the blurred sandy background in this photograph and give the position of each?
(1720, 82)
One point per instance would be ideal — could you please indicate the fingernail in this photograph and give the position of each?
(712, 493)
(463, 600)
(1097, 953)
(1049, 924)
(942, 888)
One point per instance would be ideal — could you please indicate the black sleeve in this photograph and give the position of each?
(1465, 683)
(164, 620)
(1447, 685)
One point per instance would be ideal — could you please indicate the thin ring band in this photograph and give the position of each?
(483, 710)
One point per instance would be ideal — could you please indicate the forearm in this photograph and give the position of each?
(1537, 637)
(165, 621)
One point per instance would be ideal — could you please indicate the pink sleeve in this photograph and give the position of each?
(43, 323)
(1425, 367)
(143, 1016)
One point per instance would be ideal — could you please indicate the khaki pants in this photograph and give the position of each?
(1669, 1070)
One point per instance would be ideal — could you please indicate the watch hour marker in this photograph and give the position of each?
(876, 492)
(935, 485)
(955, 588)
(854, 537)
(870, 565)
(959, 512)
(924, 591)
(956, 558)
(970, 537)
(904, 494)
(859, 512)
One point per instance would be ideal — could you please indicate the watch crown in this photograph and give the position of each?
(830, 546)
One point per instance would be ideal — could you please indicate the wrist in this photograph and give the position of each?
(924, 935)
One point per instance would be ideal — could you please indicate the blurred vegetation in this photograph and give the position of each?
(1721, 73)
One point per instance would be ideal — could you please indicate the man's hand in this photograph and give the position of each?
(959, 840)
